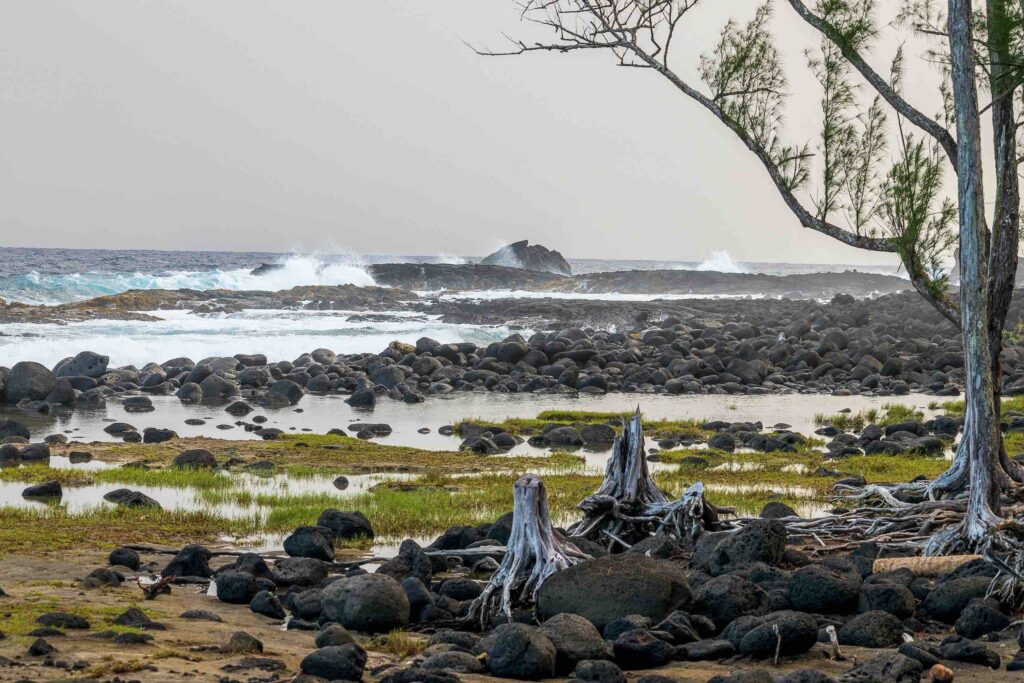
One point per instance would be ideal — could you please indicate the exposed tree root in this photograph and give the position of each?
(533, 553)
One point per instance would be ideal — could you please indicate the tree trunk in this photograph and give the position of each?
(979, 454)
(533, 553)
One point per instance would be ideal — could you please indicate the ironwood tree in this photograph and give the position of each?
(875, 176)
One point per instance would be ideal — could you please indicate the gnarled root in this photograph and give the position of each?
(533, 553)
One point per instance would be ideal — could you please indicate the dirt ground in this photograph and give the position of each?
(190, 650)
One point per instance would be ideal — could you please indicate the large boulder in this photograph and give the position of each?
(522, 255)
(216, 388)
(762, 540)
(521, 652)
(627, 584)
(28, 380)
(410, 561)
(195, 459)
(13, 428)
(872, 629)
(236, 588)
(85, 364)
(373, 603)
(192, 560)
(948, 599)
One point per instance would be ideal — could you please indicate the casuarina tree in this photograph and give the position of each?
(878, 176)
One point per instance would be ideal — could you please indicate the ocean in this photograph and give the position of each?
(55, 276)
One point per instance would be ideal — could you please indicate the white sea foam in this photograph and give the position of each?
(492, 294)
(279, 334)
(721, 262)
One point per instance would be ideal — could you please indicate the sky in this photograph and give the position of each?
(326, 125)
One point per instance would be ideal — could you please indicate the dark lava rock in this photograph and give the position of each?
(777, 510)
(372, 603)
(346, 525)
(949, 598)
(267, 604)
(639, 649)
(598, 671)
(51, 489)
(821, 590)
(410, 561)
(521, 255)
(299, 571)
(627, 584)
(454, 661)
(136, 618)
(125, 557)
(521, 652)
(887, 597)
(705, 650)
(799, 633)
(236, 588)
(241, 642)
(727, 597)
(963, 650)
(28, 380)
(890, 667)
(13, 428)
(40, 647)
(192, 560)
(200, 615)
(575, 640)
(195, 459)
(336, 663)
(762, 540)
(129, 498)
(157, 435)
(981, 617)
(311, 541)
(333, 634)
(63, 620)
(98, 578)
(872, 629)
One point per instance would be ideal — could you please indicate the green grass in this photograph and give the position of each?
(890, 413)
(105, 528)
(655, 429)
(1013, 404)
(129, 476)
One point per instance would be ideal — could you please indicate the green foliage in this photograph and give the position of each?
(745, 75)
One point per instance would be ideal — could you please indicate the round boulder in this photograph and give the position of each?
(373, 603)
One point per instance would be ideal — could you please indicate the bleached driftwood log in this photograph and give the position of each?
(534, 552)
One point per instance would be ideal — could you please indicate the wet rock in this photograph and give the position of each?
(118, 428)
(129, 498)
(410, 561)
(216, 388)
(137, 404)
(362, 398)
(522, 255)
(521, 652)
(28, 380)
(311, 541)
(192, 560)
(157, 435)
(50, 489)
(10, 428)
(628, 584)
(35, 452)
(85, 364)
(372, 603)
(575, 640)
(346, 525)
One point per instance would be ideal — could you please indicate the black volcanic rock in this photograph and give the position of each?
(522, 255)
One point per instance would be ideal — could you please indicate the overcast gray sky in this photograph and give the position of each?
(323, 124)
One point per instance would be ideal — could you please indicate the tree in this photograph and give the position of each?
(866, 192)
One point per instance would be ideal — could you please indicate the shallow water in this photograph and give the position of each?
(320, 414)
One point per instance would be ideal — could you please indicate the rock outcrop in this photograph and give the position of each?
(522, 255)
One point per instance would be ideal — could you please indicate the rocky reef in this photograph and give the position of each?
(522, 255)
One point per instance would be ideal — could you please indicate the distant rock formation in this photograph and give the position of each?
(265, 268)
(522, 255)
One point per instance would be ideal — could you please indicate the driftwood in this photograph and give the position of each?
(629, 507)
(534, 552)
(924, 566)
